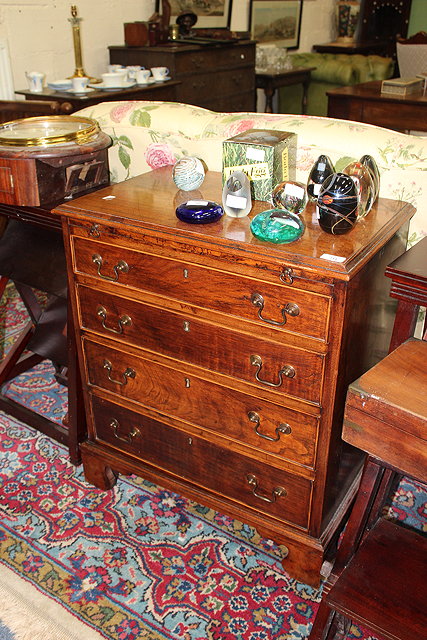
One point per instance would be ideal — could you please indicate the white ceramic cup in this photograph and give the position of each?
(80, 83)
(115, 67)
(113, 80)
(35, 81)
(132, 70)
(159, 73)
(143, 76)
(123, 73)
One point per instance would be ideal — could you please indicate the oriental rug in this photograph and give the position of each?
(137, 562)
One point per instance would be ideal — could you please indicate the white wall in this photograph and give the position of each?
(40, 36)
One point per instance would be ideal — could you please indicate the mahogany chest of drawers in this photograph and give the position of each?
(216, 365)
(220, 77)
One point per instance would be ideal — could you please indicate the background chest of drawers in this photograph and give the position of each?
(219, 77)
(216, 365)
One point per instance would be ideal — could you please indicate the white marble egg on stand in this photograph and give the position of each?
(188, 173)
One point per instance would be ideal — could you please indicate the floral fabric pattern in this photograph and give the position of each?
(148, 135)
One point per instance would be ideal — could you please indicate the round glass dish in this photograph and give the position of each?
(44, 131)
(199, 211)
(278, 226)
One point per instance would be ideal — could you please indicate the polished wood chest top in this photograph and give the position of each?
(147, 204)
(216, 365)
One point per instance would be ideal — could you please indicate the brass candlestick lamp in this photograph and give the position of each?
(75, 23)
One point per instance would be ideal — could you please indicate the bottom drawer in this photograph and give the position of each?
(240, 478)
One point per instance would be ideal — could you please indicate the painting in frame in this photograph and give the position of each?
(211, 14)
(276, 21)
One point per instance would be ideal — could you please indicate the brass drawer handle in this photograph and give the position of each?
(128, 373)
(123, 321)
(120, 267)
(290, 308)
(278, 492)
(287, 370)
(94, 231)
(287, 275)
(282, 428)
(115, 425)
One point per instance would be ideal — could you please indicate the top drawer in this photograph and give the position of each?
(275, 306)
(211, 60)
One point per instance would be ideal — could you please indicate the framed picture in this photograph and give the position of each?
(211, 14)
(276, 21)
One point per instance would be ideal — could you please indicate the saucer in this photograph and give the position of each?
(145, 84)
(79, 92)
(101, 86)
(162, 79)
(60, 85)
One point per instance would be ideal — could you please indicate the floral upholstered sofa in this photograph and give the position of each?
(147, 135)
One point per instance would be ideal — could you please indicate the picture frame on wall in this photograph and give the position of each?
(211, 14)
(276, 22)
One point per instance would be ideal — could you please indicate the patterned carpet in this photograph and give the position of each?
(137, 562)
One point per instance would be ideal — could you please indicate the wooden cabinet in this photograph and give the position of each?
(219, 77)
(216, 365)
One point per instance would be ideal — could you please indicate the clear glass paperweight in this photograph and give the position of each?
(236, 195)
(278, 226)
(291, 196)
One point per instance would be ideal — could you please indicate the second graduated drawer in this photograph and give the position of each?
(251, 482)
(267, 364)
(262, 425)
(279, 306)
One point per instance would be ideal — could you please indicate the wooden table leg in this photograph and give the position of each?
(269, 93)
(305, 85)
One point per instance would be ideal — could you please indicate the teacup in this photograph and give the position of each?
(113, 80)
(142, 76)
(115, 67)
(160, 73)
(80, 83)
(132, 71)
(35, 81)
(123, 73)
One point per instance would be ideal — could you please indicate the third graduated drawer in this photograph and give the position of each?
(243, 356)
(243, 479)
(264, 426)
(276, 306)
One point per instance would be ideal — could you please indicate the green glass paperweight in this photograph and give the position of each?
(278, 226)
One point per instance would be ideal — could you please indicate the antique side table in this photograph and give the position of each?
(272, 81)
(216, 365)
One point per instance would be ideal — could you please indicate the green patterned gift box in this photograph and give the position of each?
(267, 157)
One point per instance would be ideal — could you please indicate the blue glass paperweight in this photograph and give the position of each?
(278, 226)
(199, 211)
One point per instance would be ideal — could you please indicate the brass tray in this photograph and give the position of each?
(42, 131)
